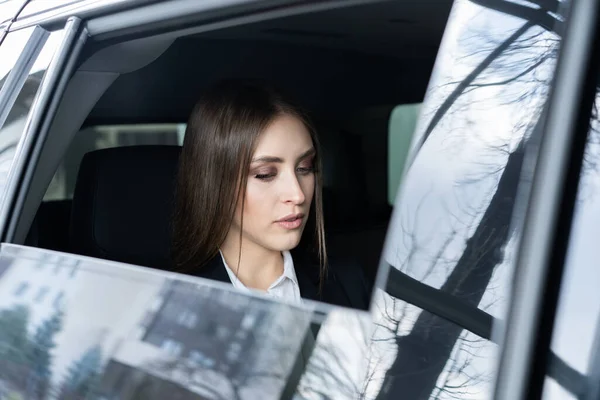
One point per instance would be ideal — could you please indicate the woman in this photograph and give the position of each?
(249, 182)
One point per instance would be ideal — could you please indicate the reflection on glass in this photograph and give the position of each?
(115, 332)
(577, 322)
(341, 365)
(9, 9)
(11, 49)
(38, 6)
(552, 390)
(14, 126)
(455, 226)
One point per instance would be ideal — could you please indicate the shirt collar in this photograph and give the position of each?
(288, 272)
(288, 267)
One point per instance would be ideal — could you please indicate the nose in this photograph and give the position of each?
(293, 191)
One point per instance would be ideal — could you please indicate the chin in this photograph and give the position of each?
(287, 244)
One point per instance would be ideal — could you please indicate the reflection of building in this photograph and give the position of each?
(210, 338)
(206, 327)
(146, 331)
(90, 296)
(42, 284)
(133, 383)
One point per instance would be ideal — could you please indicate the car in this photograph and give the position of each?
(461, 152)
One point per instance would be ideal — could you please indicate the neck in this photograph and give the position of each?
(257, 267)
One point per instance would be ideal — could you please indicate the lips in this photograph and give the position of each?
(292, 221)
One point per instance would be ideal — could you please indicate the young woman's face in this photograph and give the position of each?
(281, 184)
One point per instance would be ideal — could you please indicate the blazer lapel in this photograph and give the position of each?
(308, 277)
(213, 269)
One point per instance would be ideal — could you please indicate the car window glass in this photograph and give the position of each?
(11, 49)
(142, 351)
(9, 9)
(23, 97)
(576, 333)
(23, 94)
(37, 6)
(102, 137)
(402, 124)
(454, 231)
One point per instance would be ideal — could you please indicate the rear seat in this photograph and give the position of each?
(50, 228)
(123, 203)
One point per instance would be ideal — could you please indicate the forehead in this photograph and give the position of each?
(286, 135)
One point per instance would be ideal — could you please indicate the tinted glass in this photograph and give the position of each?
(23, 94)
(401, 129)
(11, 49)
(456, 219)
(175, 339)
(575, 344)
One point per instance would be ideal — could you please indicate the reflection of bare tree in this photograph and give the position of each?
(189, 375)
(331, 373)
(420, 350)
(428, 353)
(192, 375)
(433, 358)
(270, 354)
(457, 380)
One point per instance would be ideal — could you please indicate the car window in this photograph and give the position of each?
(576, 333)
(103, 137)
(402, 125)
(11, 49)
(454, 232)
(29, 53)
(67, 337)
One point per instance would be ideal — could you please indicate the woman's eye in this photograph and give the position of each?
(264, 177)
(305, 170)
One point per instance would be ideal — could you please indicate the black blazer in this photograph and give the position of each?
(345, 284)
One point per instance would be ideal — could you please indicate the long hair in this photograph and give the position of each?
(220, 139)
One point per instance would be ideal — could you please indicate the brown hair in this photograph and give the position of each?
(220, 139)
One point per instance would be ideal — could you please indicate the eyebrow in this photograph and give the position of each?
(271, 159)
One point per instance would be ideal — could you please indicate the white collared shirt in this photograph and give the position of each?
(285, 287)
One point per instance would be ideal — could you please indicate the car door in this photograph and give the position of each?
(465, 309)
(462, 224)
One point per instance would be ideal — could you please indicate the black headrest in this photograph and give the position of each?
(123, 203)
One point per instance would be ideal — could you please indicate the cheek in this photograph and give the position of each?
(256, 199)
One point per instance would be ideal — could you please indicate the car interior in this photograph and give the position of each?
(349, 67)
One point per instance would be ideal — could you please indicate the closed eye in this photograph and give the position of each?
(305, 170)
(265, 177)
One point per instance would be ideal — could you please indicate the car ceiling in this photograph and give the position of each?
(333, 62)
(393, 28)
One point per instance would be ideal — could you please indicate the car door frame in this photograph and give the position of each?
(39, 119)
(548, 209)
